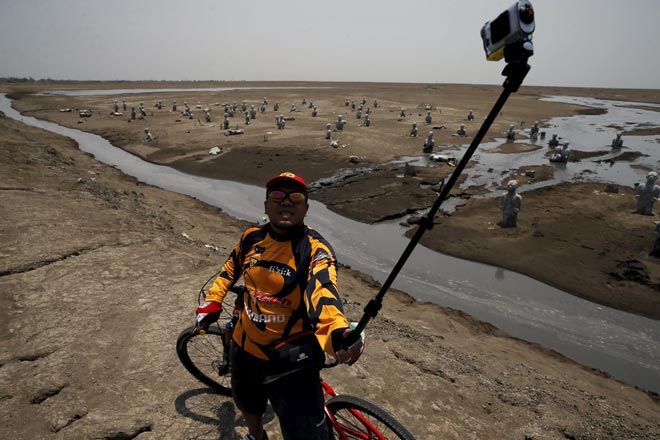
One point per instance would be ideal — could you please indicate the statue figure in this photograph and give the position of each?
(340, 123)
(253, 113)
(207, 115)
(429, 118)
(328, 130)
(561, 154)
(510, 133)
(367, 121)
(265, 100)
(280, 122)
(148, 137)
(647, 194)
(159, 105)
(403, 113)
(123, 104)
(276, 107)
(143, 112)
(311, 104)
(225, 121)
(554, 142)
(617, 142)
(461, 131)
(534, 131)
(358, 114)
(375, 103)
(352, 105)
(247, 119)
(314, 112)
(116, 106)
(510, 203)
(133, 114)
(293, 108)
(263, 108)
(470, 116)
(364, 100)
(304, 101)
(243, 106)
(413, 130)
(173, 106)
(346, 102)
(429, 143)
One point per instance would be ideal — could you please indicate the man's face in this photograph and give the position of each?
(285, 215)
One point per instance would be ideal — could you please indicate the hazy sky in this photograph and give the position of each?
(592, 43)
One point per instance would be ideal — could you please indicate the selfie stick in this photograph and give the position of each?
(516, 56)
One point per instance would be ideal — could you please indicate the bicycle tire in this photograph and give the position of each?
(362, 419)
(201, 356)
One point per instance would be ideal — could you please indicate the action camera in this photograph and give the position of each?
(512, 27)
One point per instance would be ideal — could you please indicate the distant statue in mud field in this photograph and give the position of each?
(554, 142)
(293, 108)
(511, 133)
(364, 101)
(304, 101)
(339, 125)
(403, 113)
(429, 143)
(534, 131)
(116, 106)
(617, 142)
(148, 137)
(123, 104)
(159, 105)
(243, 106)
(375, 103)
(413, 130)
(225, 121)
(328, 130)
(265, 100)
(470, 116)
(358, 114)
(173, 106)
(561, 154)
(655, 252)
(510, 204)
(346, 103)
(276, 107)
(262, 109)
(247, 119)
(314, 112)
(367, 121)
(207, 115)
(280, 122)
(352, 105)
(461, 131)
(143, 112)
(647, 194)
(429, 118)
(133, 113)
(253, 113)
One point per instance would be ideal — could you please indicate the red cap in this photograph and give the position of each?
(287, 176)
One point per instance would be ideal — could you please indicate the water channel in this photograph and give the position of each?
(624, 345)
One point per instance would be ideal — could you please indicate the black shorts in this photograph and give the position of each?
(296, 398)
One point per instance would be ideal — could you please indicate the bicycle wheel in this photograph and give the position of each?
(355, 418)
(204, 357)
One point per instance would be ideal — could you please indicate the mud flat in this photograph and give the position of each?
(89, 319)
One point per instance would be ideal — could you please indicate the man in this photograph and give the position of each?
(290, 272)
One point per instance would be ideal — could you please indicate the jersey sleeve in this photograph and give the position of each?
(229, 274)
(321, 296)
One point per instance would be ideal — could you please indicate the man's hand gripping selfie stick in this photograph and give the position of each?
(508, 37)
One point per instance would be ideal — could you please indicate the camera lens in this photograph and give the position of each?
(526, 14)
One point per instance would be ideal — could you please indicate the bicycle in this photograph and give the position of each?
(204, 353)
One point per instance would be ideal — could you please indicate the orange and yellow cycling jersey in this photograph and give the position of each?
(291, 288)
